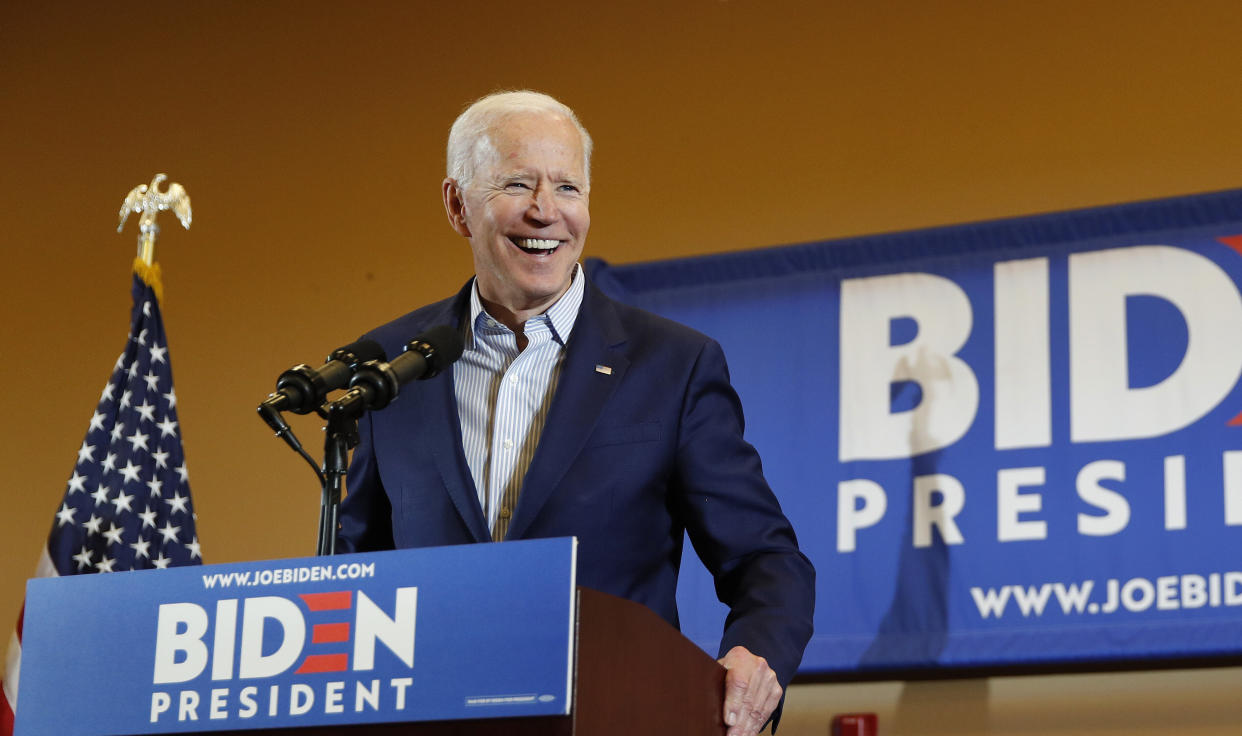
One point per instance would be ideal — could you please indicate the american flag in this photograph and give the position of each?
(127, 504)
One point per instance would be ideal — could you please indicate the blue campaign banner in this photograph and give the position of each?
(475, 631)
(1002, 444)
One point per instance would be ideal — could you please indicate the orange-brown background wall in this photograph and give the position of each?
(310, 137)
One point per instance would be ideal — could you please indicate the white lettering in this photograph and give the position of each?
(940, 516)
(1102, 404)
(850, 516)
(160, 703)
(226, 633)
(1175, 492)
(1011, 502)
(249, 706)
(1115, 506)
(258, 612)
(301, 699)
(397, 633)
(332, 698)
(189, 641)
(869, 430)
(1023, 366)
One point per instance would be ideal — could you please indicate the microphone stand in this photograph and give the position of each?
(340, 436)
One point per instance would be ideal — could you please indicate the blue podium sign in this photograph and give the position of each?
(475, 631)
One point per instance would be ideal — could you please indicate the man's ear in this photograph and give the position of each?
(455, 207)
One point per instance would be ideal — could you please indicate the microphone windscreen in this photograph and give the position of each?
(440, 346)
(358, 352)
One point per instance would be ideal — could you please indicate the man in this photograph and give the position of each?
(572, 414)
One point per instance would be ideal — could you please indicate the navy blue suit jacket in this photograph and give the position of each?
(628, 461)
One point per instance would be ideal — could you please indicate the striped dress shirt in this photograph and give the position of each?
(503, 396)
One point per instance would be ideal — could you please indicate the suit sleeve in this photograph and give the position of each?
(736, 524)
(366, 513)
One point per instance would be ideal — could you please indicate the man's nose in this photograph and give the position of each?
(543, 206)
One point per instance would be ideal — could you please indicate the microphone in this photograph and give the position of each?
(376, 383)
(302, 389)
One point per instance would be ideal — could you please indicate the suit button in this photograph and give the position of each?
(504, 512)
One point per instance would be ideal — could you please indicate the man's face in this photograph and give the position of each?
(525, 212)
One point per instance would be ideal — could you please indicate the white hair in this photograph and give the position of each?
(469, 143)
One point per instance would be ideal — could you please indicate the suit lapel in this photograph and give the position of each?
(581, 394)
(440, 409)
(436, 407)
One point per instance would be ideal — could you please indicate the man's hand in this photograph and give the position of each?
(751, 692)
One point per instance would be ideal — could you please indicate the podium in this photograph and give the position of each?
(634, 674)
(476, 640)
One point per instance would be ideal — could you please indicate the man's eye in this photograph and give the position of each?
(568, 188)
(516, 185)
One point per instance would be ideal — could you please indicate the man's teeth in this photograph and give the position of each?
(536, 244)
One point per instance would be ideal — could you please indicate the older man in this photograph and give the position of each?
(570, 414)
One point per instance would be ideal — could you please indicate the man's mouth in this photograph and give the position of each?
(536, 246)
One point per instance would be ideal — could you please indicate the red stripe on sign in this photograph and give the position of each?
(336, 601)
(329, 633)
(1233, 241)
(1236, 421)
(324, 663)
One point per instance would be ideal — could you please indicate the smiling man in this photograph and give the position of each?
(570, 414)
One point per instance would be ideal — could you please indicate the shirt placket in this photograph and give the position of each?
(513, 416)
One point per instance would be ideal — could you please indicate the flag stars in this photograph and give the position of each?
(138, 440)
(146, 411)
(86, 454)
(113, 534)
(101, 495)
(178, 502)
(161, 562)
(133, 371)
(122, 500)
(161, 458)
(77, 484)
(83, 558)
(92, 526)
(108, 391)
(169, 532)
(141, 548)
(156, 486)
(105, 565)
(142, 338)
(167, 427)
(118, 431)
(126, 400)
(109, 462)
(183, 472)
(130, 472)
(171, 398)
(195, 551)
(158, 353)
(148, 518)
(65, 515)
(146, 309)
(153, 381)
(97, 421)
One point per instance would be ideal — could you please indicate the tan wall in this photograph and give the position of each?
(309, 136)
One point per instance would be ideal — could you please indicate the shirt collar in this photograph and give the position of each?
(562, 315)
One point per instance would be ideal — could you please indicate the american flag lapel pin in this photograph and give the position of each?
(607, 371)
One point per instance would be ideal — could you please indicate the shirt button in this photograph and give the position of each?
(513, 379)
(508, 444)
